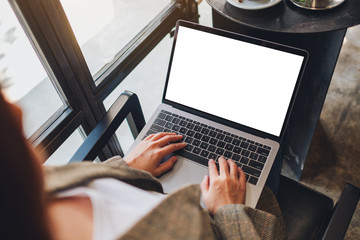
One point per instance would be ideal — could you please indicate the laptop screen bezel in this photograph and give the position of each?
(248, 39)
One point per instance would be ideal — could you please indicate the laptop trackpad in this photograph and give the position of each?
(184, 172)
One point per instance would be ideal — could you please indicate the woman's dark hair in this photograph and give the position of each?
(22, 198)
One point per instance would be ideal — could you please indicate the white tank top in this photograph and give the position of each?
(116, 206)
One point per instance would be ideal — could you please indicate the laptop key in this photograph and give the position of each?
(148, 133)
(189, 147)
(267, 147)
(213, 141)
(176, 128)
(262, 159)
(251, 171)
(256, 164)
(244, 145)
(252, 148)
(156, 128)
(175, 120)
(196, 142)
(190, 133)
(229, 147)
(245, 153)
(197, 128)
(205, 138)
(236, 142)
(169, 118)
(196, 150)
(193, 157)
(189, 139)
(212, 133)
(220, 136)
(236, 157)
(254, 155)
(228, 139)
(169, 125)
(220, 151)
(228, 154)
(204, 145)
(204, 153)
(161, 115)
(183, 130)
(253, 180)
(205, 131)
(198, 135)
(221, 144)
(183, 123)
(160, 122)
(263, 151)
(190, 125)
(237, 150)
(244, 160)
(211, 148)
(213, 156)
(166, 112)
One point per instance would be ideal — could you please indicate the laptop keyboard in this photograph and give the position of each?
(205, 142)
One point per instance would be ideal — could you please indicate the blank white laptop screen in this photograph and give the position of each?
(238, 81)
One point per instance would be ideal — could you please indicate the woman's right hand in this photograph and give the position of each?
(223, 187)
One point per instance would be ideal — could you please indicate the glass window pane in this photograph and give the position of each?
(149, 77)
(104, 27)
(26, 82)
(63, 154)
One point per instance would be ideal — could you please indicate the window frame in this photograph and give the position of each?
(50, 33)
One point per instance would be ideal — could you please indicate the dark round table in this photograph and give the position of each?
(285, 17)
(321, 33)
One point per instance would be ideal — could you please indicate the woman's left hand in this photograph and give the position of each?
(149, 152)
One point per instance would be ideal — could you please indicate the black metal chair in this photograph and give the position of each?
(308, 214)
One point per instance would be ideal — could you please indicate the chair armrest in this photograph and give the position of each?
(342, 213)
(127, 106)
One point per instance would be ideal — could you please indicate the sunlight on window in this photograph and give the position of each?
(24, 79)
(86, 25)
(103, 27)
(68, 148)
(16, 53)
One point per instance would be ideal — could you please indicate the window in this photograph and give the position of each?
(87, 48)
(66, 150)
(104, 27)
(27, 83)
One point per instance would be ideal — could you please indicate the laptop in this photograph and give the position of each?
(229, 95)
